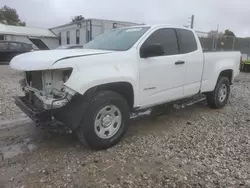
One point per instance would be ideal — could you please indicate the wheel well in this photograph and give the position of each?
(123, 88)
(227, 73)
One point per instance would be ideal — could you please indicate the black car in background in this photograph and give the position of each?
(9, 49)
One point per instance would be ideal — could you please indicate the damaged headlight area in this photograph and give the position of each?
(46, 89)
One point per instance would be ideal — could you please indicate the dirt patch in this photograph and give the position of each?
(9, 87)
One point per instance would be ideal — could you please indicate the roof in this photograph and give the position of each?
(160, 25)
(94, 19)
(12, 41)
(25, 31)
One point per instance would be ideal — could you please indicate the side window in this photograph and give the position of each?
(187, 41)
(68, 37)
(60, 38)
(26, 46)
(77, 36)
(3, 45)
(167, 38)
(14, 45)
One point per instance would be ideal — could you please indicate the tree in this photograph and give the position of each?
(9, 16)
(229, 33)
(214, 34)
(77, 19)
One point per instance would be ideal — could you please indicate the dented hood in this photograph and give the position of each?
(42, 60)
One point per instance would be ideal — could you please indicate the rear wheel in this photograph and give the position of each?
(219, 97)
(105, 120)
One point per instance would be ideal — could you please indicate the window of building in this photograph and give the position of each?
(1, 37)
(167, 38)
(114, 25)
(187, 41)
(68, 37)
(88, 36)
(78, 36)
(60, 39)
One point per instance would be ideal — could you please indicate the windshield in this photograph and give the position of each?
(117, 40)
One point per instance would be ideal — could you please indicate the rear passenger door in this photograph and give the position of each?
(193, 58)
(161, 77)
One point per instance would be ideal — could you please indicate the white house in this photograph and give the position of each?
(80, 32)
(39, 38)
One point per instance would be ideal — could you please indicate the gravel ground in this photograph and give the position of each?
(9, 87)
(191, 147)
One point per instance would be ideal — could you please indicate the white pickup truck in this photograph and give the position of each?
(94, 90)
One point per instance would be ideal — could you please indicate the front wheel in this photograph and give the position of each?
(219, 97)
(105, 120)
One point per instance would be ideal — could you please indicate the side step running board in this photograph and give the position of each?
(164, 108)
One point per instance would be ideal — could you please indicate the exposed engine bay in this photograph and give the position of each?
(46, 89)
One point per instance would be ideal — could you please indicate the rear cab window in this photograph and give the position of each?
(187, 41)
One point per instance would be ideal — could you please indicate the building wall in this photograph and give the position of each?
(72, 29)
(98, 27)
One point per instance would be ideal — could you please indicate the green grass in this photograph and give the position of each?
(246, 62)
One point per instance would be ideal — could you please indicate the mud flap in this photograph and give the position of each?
(72, 113)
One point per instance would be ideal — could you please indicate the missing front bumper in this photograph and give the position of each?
(39, 116)
(70, 115)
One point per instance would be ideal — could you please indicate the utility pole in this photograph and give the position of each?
(216, 40)
(192, 22)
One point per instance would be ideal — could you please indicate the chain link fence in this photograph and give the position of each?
(219, 42)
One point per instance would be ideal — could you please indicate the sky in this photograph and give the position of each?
(228, 14)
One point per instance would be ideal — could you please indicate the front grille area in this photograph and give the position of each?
(34, 79)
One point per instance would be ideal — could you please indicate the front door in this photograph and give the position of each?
(162, 77)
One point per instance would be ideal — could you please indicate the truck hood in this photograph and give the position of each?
(43, 60)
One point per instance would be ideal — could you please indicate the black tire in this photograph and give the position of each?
(213, 98)
(86, 130)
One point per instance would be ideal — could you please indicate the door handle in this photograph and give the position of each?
(179, 62)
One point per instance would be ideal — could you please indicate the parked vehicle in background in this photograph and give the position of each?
(70, 46)
(95, 90)
(9, 49)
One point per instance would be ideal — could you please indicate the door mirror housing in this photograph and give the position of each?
(151, 51)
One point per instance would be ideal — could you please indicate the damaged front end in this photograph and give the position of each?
(45, 93)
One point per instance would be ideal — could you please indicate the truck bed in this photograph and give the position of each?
(213, 61)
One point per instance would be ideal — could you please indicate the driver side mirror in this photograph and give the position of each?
(151, 51)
